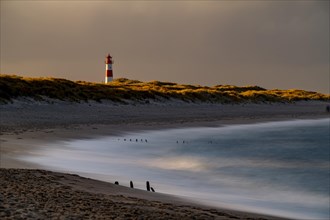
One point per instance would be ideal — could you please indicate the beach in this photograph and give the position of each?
(40, 194)
(26, 125)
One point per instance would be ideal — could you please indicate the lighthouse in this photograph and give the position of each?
(108, 69)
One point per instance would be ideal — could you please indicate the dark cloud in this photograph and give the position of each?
(282, 44)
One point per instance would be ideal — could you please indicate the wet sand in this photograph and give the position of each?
(42, 194)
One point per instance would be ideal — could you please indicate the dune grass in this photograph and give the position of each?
(123, 90)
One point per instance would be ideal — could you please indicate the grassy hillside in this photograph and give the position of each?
(121, 90)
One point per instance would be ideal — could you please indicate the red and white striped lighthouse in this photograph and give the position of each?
(108, 69)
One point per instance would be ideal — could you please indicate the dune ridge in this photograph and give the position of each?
(124, 90)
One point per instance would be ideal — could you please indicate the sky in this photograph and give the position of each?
(272, 44)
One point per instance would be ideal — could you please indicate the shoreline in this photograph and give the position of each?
(39, 129)
(72, 196)
(12, 141)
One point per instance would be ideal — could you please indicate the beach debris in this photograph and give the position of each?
(148, 186)
(131, 184)
(117, 183)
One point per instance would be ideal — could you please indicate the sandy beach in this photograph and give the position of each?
(39, 194)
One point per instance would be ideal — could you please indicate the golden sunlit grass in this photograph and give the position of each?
(121, 90)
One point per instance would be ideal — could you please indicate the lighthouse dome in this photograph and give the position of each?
(108, 59)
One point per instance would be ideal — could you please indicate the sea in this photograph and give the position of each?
(275, 168)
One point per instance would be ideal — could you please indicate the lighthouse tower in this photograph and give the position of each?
(108, 69)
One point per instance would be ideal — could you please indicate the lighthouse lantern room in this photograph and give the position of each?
(108, 69)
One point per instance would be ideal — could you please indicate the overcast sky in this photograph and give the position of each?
(273, 44)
